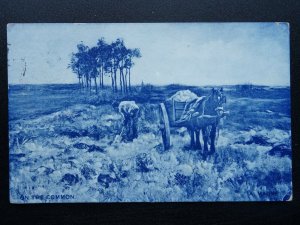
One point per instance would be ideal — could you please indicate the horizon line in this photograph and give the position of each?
(269, 85)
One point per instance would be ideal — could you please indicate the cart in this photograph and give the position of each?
(170, 112)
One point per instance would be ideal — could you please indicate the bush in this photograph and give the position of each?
(105, 180)
(87, 172)
(146, 88)
(182, 179)
(70, 179)
(144, 163)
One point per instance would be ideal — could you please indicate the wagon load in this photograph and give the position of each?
(183, 96)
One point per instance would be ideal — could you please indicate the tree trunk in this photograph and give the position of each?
(115, 78)
(102, 82)
(87, 82)
(124, 82)
(129, 79)
(99, 78)
(90, 85)
(95, 79)
(121, 83)
(112, 82)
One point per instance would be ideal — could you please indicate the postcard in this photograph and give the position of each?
(149, 112)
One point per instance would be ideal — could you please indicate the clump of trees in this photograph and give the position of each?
(114, 60)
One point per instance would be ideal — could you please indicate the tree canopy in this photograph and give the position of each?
(114, 60)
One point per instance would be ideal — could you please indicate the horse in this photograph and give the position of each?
(201, 114)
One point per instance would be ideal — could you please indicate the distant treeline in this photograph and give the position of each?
(114, 60)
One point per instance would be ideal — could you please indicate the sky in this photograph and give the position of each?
(172, 53)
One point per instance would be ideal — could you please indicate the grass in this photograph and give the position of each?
(72, 151)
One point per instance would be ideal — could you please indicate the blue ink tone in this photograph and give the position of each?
(184, 53)
(57, 152)
(75, 142)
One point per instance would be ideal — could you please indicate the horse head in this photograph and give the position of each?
(223, 97)
(218, 97)
(215, 100)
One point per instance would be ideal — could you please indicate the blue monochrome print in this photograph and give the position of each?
(165, 112)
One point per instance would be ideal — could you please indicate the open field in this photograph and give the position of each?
(62, 143)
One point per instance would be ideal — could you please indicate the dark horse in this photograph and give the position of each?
(203, 114)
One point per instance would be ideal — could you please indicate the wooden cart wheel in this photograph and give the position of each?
(165, 127)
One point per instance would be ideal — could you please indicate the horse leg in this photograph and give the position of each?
(192, 138)
(198, 144)
(205, 140)
(213, 138)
